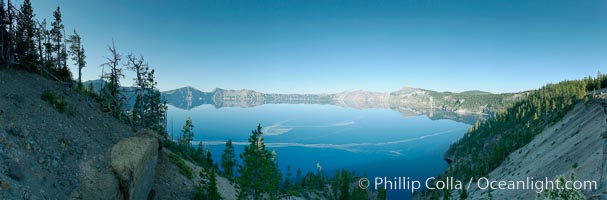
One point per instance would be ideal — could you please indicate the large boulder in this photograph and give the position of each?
(134, 164)
(98, 183)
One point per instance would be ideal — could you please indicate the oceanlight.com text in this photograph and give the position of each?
(482, 183)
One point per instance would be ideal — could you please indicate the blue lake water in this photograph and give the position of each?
(381, 142)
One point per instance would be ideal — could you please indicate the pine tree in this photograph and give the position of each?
(57, 38)
(336, 184)
(463, 194)
(4, 34)
(49, 61)
(25, 50)
(382, 193)
(155, 107)
(64, 72)
(187, 133)
(213, 191)
(298, 184)
(360, 193)
(287, 183)
(207, 188)
(77, 51)
(40, 29)
(446, 194)
(209, 160)
(259, 174)
(345, 182)
(319, 182)
(10, 35)
(136, 113)
(200, 155)
(228, 160)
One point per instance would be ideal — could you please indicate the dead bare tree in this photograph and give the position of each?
(113, 77)
(141, 68)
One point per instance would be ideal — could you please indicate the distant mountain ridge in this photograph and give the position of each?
(408, 100)
(465, 106)
(189, 97)
(476, 92)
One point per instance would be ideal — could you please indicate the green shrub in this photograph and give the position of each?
(57, 101)
(184, 169)
(561, 192)
(48, 96)
(60, 104)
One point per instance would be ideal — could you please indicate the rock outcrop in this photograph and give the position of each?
(134, 162)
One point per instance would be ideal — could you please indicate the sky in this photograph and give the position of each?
(289, 46)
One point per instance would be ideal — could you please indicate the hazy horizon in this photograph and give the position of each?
(328, 47)
(210, 90)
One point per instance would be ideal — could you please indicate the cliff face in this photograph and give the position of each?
(576, 144)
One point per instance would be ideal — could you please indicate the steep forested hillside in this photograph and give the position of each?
(474, 101)
(490, 141)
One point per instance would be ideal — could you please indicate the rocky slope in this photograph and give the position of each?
(46, 154)
(576, 144)
(77, 152)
